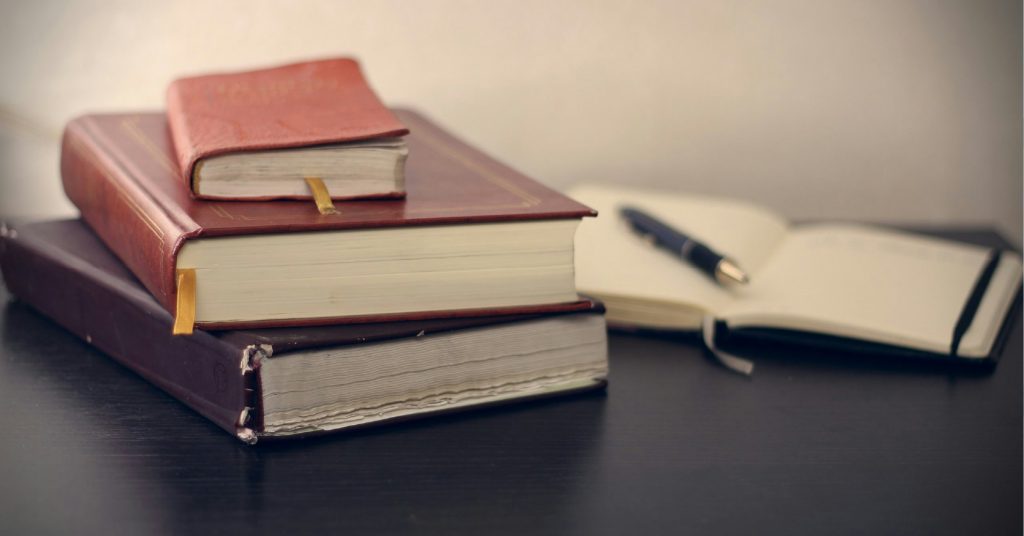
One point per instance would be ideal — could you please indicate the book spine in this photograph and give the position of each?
(185, 152)
(213, 377)
(128, 220)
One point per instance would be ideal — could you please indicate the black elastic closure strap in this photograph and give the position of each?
(974, 300)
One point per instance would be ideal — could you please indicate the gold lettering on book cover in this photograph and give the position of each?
(89, 155)
(219, 210)
(264, 93)
(528, 199)
(160, 157)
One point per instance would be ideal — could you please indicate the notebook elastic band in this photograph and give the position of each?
(974, 300)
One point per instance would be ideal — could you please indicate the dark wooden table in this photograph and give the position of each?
(812, 444)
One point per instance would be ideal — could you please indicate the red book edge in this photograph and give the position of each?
(187, 159)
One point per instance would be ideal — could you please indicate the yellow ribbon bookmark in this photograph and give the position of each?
(320, 195)
(185, 313)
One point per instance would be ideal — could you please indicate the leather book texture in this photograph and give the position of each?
(62, 270)
(302, 104)
(120, 171)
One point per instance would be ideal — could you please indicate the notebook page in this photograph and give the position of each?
(868, 283)
(611, 260)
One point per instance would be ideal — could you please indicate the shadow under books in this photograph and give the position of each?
(87, 426)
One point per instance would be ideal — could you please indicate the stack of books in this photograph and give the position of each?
(213, 259)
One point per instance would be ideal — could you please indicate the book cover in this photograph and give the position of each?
(120, 171)
(301, 104)
(62, 270)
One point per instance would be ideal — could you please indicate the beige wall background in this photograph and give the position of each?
(893, 111)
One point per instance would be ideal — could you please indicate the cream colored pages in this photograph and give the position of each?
(877, 285)
(644, 285)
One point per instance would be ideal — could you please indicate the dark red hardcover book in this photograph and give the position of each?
(62, 270)
(301, 104)
(120, 171)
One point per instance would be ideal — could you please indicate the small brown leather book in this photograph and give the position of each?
(259, 134)
(472, 237)
(277, 383)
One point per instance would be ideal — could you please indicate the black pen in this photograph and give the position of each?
(719, 267)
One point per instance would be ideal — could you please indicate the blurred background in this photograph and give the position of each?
(905, 111)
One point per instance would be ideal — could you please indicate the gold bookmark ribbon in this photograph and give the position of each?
(185, 313)
(320, 195)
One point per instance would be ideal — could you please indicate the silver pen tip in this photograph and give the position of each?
(728, 272)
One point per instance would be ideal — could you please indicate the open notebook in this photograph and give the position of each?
(849, 281)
